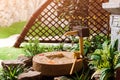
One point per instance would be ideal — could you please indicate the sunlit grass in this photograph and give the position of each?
(15, 28)
(10, 53)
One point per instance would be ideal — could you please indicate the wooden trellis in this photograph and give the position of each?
(46, 26)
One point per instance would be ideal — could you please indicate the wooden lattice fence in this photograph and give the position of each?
(46, 26)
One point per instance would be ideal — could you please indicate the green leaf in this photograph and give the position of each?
(96, 57)
(98, 71)
(105, 74)
(115, 45)
(105, 44)
(117, 66)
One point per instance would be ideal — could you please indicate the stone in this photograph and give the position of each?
(118, 74)
(112, 7)
(62, 78)
(11, 63)
(26, 60)
(31, 75)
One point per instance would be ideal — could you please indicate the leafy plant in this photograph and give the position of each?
(94, 42)
(11, 72)
(106, 60)
(90, 44)
(33, 48)
(84, 74)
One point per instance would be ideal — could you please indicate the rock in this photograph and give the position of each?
(118, 74)
(11, 63)
(62, 78)
(31, 75)
(26, 60)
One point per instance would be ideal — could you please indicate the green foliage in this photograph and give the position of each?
(75, 47)
(11, 72)
(106, 60)
(93, 43)
(90, 44)
(10, 53)
(84, 75)
(34, 47)
(15, 28)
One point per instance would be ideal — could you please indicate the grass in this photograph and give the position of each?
(10, 53)
(15, 28)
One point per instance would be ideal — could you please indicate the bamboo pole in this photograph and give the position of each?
(81, 46)
(76, 55)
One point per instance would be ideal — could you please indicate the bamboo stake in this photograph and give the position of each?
(81, 46)
(76, 55)
(73, 65)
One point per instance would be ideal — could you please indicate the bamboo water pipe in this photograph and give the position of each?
(81, 32)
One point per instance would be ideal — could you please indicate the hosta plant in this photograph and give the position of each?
(106, 60)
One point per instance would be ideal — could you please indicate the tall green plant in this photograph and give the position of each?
(11, 72)
(90, 44)
(94, 42)
(106, 60)
(33, 48)
(84, 76)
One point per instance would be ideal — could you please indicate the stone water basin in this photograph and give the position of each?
(56, 63)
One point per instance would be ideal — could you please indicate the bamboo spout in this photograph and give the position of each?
(80, 53)
(81, 32)
(76, 32)
(71, 33)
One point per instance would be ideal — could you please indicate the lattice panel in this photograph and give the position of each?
(48, 27)
(98, 20)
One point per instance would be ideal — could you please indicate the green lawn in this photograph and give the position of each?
(10, 53)
(15, 28)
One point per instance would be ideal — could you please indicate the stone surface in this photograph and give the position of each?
(31, 75)
(62, 78)
(26, 60)
(118, 74)
(115, 21)
(115, 34)
(11, 63)
(112, 6)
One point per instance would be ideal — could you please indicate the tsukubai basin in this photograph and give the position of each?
(51, 69)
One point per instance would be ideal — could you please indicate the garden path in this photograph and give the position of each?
(8, 42)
